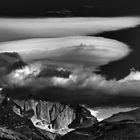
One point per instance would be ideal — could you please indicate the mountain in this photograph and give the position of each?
(54, 116)
(16, 127)
(62, 121)
(133, 115)
(120, 126)
(40, 120)
(121, 130)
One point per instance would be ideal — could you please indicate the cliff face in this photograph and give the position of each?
(29, 108)
(57, 115)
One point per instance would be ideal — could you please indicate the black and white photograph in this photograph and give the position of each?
(70, 70)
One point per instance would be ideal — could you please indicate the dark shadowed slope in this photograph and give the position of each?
(123, 130)
(121, 126)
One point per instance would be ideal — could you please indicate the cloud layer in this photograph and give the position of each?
(80, 50)
(15, 29)
(93, 90)
(81, 55)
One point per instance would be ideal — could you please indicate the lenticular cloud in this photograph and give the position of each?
(16, 29)
(80, 50)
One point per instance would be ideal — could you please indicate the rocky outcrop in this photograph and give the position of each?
(43, 111)
(55, 115)
(59, 115)
(64, 117)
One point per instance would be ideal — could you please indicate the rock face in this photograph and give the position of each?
(29, 108)
(64, 117)
(43, 111)
(58, 115)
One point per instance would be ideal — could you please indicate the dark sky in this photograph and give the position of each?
(121, 68)
(40, 8)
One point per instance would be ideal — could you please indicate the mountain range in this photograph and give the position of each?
(42, 120)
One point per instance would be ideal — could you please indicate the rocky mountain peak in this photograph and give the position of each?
(54, 115)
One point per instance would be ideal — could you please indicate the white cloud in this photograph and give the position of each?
(13, 29)
(79, 50)
(133, 76)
